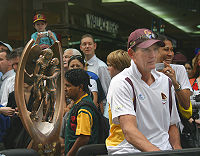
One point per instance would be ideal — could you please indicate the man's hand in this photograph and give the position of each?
(7, 111)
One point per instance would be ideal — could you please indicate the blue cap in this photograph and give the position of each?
(6, 45)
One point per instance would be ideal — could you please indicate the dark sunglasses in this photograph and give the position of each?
(76, 57)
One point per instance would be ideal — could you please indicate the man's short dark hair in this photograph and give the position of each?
(78, 77)
(15, 53)
(87, 35)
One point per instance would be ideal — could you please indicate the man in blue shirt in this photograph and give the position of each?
(7, 71)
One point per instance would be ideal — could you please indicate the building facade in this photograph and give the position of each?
(70, 19)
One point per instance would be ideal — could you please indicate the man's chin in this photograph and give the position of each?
(87, 53)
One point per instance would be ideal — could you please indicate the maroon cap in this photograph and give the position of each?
(179, 58)
(143, 38)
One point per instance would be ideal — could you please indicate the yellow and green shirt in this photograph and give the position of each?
(86, 124)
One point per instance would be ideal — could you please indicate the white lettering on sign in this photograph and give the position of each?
(95, 22)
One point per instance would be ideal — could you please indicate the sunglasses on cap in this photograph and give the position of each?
(142, 38)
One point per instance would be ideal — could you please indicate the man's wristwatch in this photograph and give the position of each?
(179, 88)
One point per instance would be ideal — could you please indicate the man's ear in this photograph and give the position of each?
(131, 53)
(81, 47)
(95, 45)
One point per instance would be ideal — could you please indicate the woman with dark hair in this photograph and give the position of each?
(188, 68)
(77, 62)
(177, 74)
(180, 81)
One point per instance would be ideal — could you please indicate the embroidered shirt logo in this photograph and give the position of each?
(141, 97)
(164, 98)
(118, 107)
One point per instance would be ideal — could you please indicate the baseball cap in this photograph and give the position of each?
(143, 38)
(39, 17)
(6, 45)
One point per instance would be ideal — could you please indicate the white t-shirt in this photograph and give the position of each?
(152, 109)
(93, 88)
(182, 79)
(181, 76)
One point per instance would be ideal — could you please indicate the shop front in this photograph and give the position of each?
(68, 20)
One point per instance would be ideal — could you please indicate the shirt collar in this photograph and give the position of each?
(81, 98)
(92, 60)
(7, 74)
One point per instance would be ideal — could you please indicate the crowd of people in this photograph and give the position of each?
(145, 92)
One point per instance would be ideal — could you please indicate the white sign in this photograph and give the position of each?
(95, 22)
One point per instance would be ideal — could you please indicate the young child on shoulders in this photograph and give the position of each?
(44, 38)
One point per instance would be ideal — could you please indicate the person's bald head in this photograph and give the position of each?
(69, 53)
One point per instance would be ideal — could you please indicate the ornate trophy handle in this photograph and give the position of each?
(40, 139)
